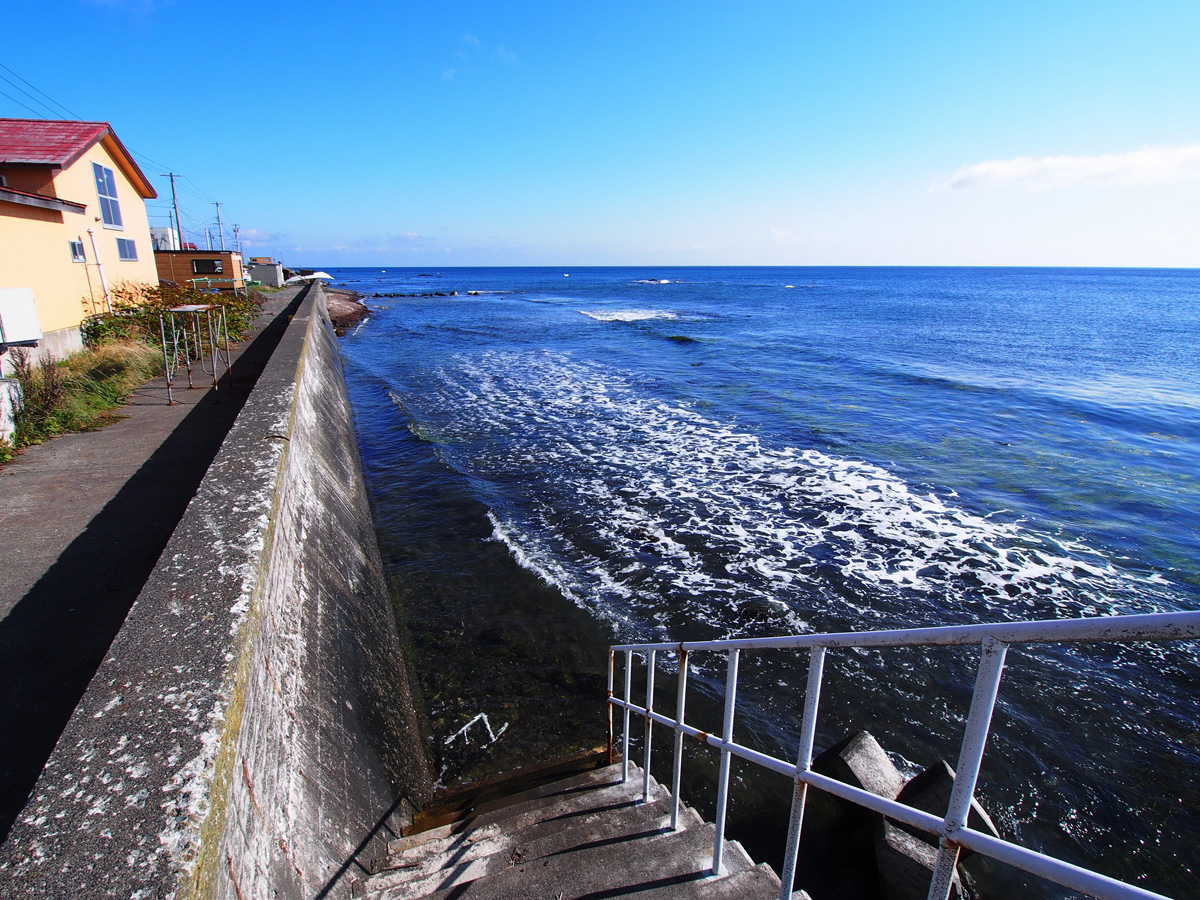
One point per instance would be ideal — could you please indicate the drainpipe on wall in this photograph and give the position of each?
(100, 269)
(88, 275)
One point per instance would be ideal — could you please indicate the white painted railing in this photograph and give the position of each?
(952, 830)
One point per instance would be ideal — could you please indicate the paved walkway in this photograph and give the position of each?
(83, 519)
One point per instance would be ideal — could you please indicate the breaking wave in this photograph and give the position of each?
(627, 315)
(657, 517)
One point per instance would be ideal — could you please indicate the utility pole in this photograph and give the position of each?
(208, 231)
(220, 230)
(237, 239)
(175, 203)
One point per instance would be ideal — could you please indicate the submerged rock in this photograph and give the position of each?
(906, 864)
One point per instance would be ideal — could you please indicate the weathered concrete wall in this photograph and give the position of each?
(251, 730)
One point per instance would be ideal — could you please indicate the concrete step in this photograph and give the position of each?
(448, 809)
(582, 792)
(758, 883)
(673, 863)
(589, 797)
(585, 836)
(573, 797)
(576, 793)
(554, 837)
(452, 803)
(473, 859)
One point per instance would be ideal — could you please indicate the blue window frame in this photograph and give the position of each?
(126, 249)
(106, 190)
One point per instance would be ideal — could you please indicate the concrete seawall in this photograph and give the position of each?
(251, 732)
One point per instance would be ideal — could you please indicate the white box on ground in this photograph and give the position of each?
(10, 402)
(18, 317)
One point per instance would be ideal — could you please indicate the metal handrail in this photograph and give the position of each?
(952, 830)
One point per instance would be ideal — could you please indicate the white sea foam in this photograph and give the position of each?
(650, 513)
(627, 315)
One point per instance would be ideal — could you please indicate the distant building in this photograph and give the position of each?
(266, 270)
(219, 270)
(72, 224)
(165, 239)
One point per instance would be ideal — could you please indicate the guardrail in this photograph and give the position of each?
(952, 830)
(239, 286)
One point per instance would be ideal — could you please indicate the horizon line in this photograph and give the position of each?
(753, 266)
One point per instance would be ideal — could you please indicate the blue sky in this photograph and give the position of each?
(469, 133)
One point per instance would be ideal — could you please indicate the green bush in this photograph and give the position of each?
(42, 394)
(136, 310)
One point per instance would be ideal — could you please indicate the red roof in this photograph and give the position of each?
(39, 142)
(58, 144)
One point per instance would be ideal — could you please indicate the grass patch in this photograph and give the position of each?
(80, 392)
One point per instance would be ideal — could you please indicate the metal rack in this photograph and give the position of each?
(190, 328)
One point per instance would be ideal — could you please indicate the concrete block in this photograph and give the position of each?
(860, 762)
(930, 792)
(906, 864)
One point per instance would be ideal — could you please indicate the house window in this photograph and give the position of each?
(77, 254)
(106, 189)
(126, 249)
(206, 266)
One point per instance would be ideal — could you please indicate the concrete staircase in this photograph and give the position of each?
(585, 837)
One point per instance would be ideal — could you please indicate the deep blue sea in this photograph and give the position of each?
(560, 458)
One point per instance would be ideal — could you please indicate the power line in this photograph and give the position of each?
(19, 103)
(198, 190)
(194, 193)
(13, 84)
(152, 162)
(43, 93)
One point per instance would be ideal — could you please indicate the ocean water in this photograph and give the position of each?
(563, 458)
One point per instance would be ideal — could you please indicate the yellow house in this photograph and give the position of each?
(72, 223)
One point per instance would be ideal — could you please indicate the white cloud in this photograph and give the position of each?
(505, 55)
(469, 38)
(448, 74)
(253, 237)
(1147, 166)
